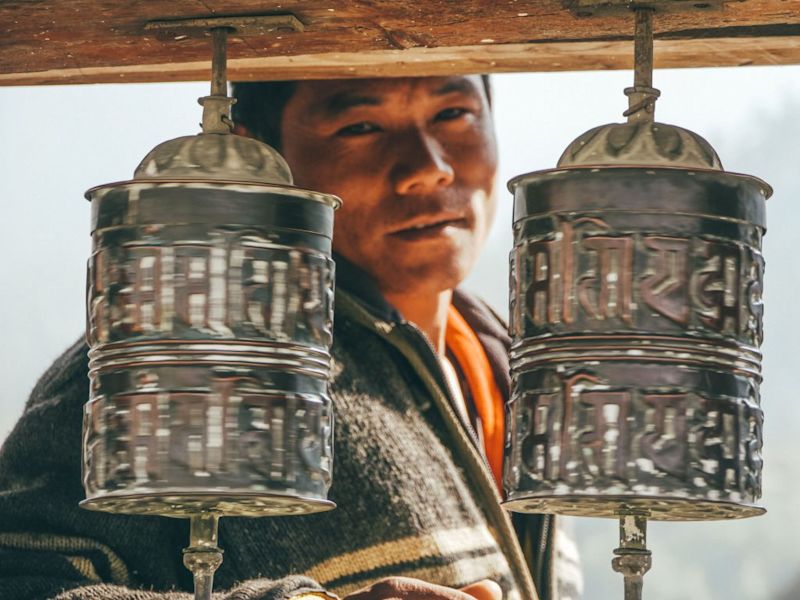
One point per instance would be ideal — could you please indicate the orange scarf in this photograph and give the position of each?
(489, 403)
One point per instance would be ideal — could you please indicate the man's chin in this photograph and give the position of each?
(421, 278)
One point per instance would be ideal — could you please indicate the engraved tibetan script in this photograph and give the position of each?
(244, 286)
(587, 433)
(584, 275)
(665, 287)
(589, 272)
(234, 430)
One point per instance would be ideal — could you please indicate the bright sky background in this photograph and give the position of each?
(59, 141)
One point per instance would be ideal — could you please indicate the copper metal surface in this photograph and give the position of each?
(210, 312)
(636, 321)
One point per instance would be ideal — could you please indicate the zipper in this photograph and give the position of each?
(544, 538)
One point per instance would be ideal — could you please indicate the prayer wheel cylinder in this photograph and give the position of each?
(210, 306)
(636, 318)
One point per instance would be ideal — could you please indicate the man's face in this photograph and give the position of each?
(414, 162)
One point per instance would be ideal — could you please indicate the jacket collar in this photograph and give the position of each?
(354, 280)
(488, 327)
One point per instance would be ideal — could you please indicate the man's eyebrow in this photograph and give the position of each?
(343, 101)
(464, 86)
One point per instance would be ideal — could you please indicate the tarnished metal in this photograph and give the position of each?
(642, 96)
(641, 141)
(632, 559)
(217, 106)
(220, 159)
(636, 317)
(636, 321)
(243, 25)
(210, 308)
(203, 557)
(640, 144)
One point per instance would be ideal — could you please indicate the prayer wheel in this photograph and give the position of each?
(636, 317)
(209, 323)
(210, 306)
(636, 321)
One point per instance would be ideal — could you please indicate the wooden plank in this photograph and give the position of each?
(97, 41)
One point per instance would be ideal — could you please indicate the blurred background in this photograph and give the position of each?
(59, 141)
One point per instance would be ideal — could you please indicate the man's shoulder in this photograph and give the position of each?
(67, 370)
(46, 438)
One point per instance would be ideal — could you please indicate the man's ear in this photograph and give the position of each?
(239, 129)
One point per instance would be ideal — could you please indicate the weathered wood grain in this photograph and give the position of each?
(91, 41)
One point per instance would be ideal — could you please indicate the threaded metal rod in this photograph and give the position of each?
(217, 105)
(642, 96)
(643, 48)
(219, 62)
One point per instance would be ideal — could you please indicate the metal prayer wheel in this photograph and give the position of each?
(636, 321)
(210, 311)
(210, 306)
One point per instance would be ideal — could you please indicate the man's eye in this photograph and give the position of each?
(448, 114)
(363, 128)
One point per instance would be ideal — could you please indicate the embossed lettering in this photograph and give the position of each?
(665, 289)
(541, 439)
(607, 438)
(718, 444)
(666, 443)
(715, 287)
(605, 291)
(283, 293)
(144, 298)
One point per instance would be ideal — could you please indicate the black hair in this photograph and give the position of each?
(259, 107)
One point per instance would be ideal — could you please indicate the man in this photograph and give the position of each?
(420, 378)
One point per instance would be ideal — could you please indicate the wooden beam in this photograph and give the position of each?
(101, 41)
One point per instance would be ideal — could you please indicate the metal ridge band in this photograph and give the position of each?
(309, 361)
(717, 195)
(162, 205)
(190, 183)
(532, 353)
(660, 507)
(231, 502)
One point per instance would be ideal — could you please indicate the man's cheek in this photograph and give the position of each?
(350, 229)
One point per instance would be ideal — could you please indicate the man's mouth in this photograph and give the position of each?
(428, 228)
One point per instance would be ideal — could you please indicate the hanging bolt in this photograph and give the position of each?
(642, 96)
(203, 557)
(632, 559)
(217, 106)
(219, 62)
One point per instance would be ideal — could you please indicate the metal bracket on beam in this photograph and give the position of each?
(241, 26)
(590, 8)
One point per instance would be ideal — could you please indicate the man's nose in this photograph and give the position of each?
(421, 164)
